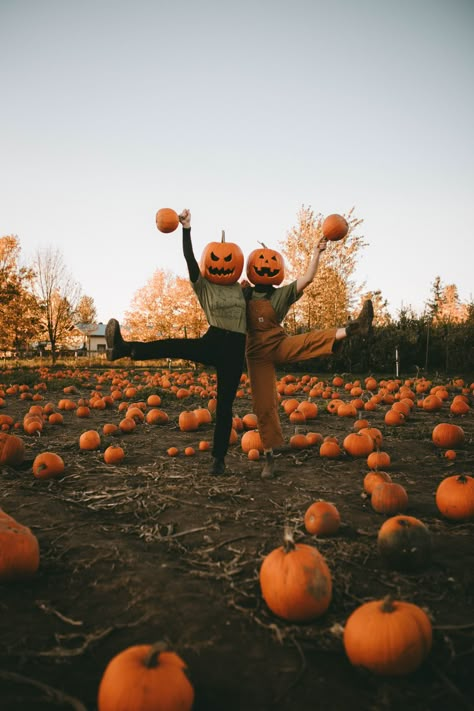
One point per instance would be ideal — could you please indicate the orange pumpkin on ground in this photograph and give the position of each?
(251, 440)
(373, 478)
(48, 465)
(388, 637)
(404, 543)
(358, 444)
(295, 581)
(12, 449)
(389, 498)
(322, 518)
(19, 550)
(455, 497)
(114, 454)
(447, 435)
(151, 678)
(89, 440)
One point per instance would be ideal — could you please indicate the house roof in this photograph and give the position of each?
(91, 329)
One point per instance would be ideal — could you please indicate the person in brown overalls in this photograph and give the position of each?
(268, 345)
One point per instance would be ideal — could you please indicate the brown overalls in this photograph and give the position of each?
(268, 345)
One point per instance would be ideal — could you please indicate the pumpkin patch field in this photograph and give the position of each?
(132, 579)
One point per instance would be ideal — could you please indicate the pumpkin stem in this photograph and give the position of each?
(387, 604)
(151, 659)
(223, 236)
(288, 540)
(263, 245)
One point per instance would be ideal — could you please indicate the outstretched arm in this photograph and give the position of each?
(307, 278)
(193, 266)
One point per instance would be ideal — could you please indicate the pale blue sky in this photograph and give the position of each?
(241, 111)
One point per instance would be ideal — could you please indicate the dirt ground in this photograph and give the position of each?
(157, 549)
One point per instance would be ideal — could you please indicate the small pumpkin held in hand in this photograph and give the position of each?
(335, 227)
(167, 220)
(145, 677)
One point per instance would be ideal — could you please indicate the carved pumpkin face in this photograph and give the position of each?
(265, 266)
(222, 262)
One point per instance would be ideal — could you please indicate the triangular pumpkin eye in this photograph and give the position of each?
(214, 257)
(261, 256)
(228, 258)
(274, 258)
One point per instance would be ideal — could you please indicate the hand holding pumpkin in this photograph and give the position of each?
(185, 218)
(321, 245)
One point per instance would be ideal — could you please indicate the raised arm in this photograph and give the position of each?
(193, 266)
(303, 281)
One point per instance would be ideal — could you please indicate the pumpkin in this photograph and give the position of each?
(322, 518)
(389, 498)
(113, 454)
(298, 441)
(358, 444)
(447, 435)
(388, 637)
(455, 497)
(373, 478)
(378, 460)
(47, 465)
(404, 543)
(167, 220)
(335, 227)
(188, 421)
(12, 449)
(251, 440)
(253, 455)
(89, 440)
(222, 262)
(145, 677)
(19, 550)
(265, 266)
(295, 581)
(330, 449)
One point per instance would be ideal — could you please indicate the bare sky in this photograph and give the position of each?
(242, 112)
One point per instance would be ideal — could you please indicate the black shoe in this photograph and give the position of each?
(218, 467)
(116, 346)
(362, 325)
(268, 471)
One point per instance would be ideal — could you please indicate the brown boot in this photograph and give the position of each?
(362, 325)
(116, 346)
(268, 471)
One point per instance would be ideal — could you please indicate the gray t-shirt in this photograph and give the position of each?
(224, 305)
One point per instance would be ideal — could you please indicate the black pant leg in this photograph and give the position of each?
(229, 369)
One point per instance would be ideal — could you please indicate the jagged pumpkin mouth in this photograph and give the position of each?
(266, 271)
(220, 271)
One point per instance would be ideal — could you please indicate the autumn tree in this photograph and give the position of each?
(166, 307)
(58, 295)
(19, 311)
(86, 312)
(330, 299)
(445, 306)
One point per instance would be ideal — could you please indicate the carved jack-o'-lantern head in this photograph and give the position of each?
(222, 262)
(265, 266)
